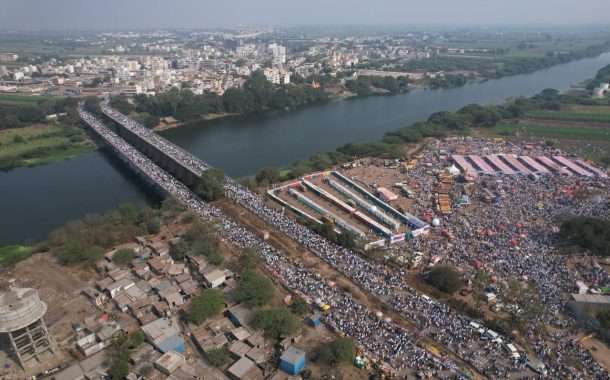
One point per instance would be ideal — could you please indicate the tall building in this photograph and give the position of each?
(279, 54)
(21, 319)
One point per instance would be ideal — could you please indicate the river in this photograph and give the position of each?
(35, 200)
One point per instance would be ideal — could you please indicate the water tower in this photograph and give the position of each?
(21, 318)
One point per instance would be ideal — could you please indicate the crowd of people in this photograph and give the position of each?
(380, 339)
(190, 162)
(434, 319)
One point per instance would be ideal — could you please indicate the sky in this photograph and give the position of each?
(147, 14)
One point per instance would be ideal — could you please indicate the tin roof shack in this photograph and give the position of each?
(292, 360)
(117, 287)
(214, 278)
(239, 315)
(207, 340)
(239, 348)
(170, 362)
(164, 335)
(245, 368)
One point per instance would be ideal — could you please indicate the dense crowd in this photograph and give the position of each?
(381, 339)
(195, 165)
(432, 318)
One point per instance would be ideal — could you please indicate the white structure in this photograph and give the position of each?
(21, 318)
(279, 54)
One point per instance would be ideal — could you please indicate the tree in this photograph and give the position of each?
(219, 357)
(267, 176)
(275, 322)
(208, 304)
(445, 278)
(589, 233)
(123, 257)
(210, 186)
(341, 350)
(254, 289)
(299, 306)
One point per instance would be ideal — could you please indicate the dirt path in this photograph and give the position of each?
(311, 261)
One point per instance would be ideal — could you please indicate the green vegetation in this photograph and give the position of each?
(219, 357)
(210, 186)
(25, 141)
(588, 116)
(119, 354)
(339, 351)
(448, 81)
(275, 322)
(366, 86)
(345, 238)
(30, 146)
(589, 233)
(12, 254)
(123, 257)
(299, 306)
(208, 304)
(84, 241)
(445, 278)
(257, 95)
(254, 289)
(573, 132)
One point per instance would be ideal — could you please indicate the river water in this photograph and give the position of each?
(35, 200)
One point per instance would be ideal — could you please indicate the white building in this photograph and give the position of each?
(277, 76)
(279, 54)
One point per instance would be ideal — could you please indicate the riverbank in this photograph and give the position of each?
(41, 144)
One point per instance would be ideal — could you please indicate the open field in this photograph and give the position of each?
(576, 132)
(599, 116)
(38, 145)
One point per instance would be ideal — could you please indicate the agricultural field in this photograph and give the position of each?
(594, 116)
(581, 130)
(40, 144)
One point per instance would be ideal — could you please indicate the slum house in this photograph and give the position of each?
(164, 335)
(245, 368)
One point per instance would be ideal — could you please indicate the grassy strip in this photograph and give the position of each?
(560, 132)
(22, 99)
(40, 145)
(601, 117)
(12, 254)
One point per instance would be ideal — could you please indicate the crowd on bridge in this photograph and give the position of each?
(381, 338)
(187, 160)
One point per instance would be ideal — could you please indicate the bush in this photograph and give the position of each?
(341, 350)
(276, 322)
(123, 257)
(210, 186)
(208, 304)
(445, 278)
(254, 289)
(299, 306)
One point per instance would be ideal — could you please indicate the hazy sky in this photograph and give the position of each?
(121, 14)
